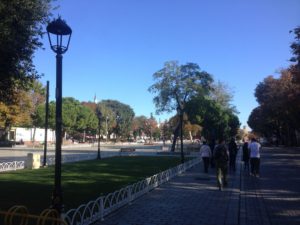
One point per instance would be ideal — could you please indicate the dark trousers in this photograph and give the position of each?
(232, 162)
(255, 164)
(246, 165)
(221, 170)
(205, 163)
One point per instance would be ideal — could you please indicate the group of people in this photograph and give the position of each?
(223, 155)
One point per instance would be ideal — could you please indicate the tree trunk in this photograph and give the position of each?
(175, 136)
(33, 136)
(6, 131)
(191, 136)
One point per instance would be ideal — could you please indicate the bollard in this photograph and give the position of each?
(33, 161)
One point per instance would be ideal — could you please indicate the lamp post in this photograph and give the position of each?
(46, 125)
(59, 34)
(99, 115)
(106, 119)
(118, 120)
(180, 113)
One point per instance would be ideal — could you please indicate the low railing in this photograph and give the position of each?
(71, 158)
(19, 215)
(95, 210)
(15, 165)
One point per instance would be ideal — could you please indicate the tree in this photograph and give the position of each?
(175, 85)
(123, 116)
(279, 108)
(107, 121)
(21, 111)
(295, 47)
(138, 124)
(150, 126)
(216, 121)
(192, 130)
(21, 26)
(166, 131)
(77, 118)
(222, 94)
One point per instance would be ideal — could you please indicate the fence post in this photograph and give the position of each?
(129, 189)
(101, 209)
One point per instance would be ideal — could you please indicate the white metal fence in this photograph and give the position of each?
(95, 210)
(15, 165)
(71, 158)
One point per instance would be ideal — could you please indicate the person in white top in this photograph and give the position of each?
(254, 148)
(205, 153)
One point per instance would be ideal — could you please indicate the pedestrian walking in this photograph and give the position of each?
(205, 153)
(221, 160)
(254, 148)
(233, 149)
(246, 156)
(212, 145)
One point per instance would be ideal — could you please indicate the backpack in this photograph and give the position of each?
(221, 154)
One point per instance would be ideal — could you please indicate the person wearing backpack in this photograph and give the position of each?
(221, 157)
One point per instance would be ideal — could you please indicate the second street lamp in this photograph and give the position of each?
(59, 34)
(180, 113)
(99, 115)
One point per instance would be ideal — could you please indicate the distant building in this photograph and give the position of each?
(26, 135)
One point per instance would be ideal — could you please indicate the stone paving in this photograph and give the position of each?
(194, 199)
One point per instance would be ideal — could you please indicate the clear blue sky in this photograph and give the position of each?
(117, 45)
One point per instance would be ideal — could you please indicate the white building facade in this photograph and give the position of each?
(21, 134)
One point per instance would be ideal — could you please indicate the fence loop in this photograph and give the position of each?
(16, 215)
(19, 215)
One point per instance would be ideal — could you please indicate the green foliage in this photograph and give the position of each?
(124, 113)
(143, 125)
(279, 102)
(21, 26)
(176, 84)
(216, 120)
(295, 46)
(279, 108)
(87, 180)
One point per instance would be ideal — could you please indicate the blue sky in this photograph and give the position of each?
(116, 46)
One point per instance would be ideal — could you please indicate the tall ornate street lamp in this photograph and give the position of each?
(118, 120)
(99, 115)
(46, 125)
(180, 114)
(59, 34)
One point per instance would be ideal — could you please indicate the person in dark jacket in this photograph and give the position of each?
(246, 156)
(232, 154)
(221, 161)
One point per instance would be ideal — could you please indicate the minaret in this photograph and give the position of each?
(95, 99)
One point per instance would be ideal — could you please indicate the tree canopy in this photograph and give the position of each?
(277, 115)
(176, 84)
(21, 26)
(122, 116)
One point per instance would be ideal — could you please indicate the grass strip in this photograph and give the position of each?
(81, 181)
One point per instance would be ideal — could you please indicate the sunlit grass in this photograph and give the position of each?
(81, 181)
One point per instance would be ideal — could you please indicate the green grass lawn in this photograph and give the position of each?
(81, 181)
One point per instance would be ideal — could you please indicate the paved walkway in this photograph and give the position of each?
(194, 199)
